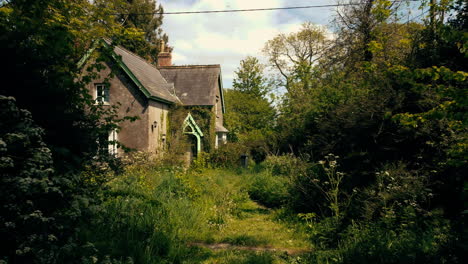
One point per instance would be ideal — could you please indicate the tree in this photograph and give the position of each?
(147, 17)
(43, 42)
(250, 78)
(358, 23)
(44, 194)
(249, 114)
(294, 55)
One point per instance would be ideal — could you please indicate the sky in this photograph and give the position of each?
(227, 38)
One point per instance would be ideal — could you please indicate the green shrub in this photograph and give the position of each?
(395, 191)
(28, 228)
(269, 190)
(325, 233)
(228, 155)
(376, 243)
(286, 165)
(40, 208)
(201, 162)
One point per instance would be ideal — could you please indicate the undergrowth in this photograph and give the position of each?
(151, 212)
(155, 214)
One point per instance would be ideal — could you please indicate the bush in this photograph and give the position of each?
(376, 243)
(40, 208)
(285, 165)
(395, 191)
(28, 226)
(269, 190)
(228, 155)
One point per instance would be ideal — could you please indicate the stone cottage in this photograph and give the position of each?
(151, 92)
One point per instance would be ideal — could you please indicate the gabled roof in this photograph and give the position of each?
(194, 84)
(144, 75)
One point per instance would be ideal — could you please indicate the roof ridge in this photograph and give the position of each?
(191, 66)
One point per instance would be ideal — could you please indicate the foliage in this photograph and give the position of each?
(228, 155)
(249, 114)
(145, 17)
(151, 211)
(387, 97)
(395, 191)
(360, 29)
(26, 165)
(285, 165)
(43, 41)
(331, 187)
(375, 243)
(35, 229)
(53, 183)
(245, 113)
(269, 190)
(205, 119)
(250, 79)
(294, 54)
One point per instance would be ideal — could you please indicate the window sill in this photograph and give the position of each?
(96, 103)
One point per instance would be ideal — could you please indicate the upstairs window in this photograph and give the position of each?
(102, 93)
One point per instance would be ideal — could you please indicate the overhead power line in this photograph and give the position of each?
(253, 9)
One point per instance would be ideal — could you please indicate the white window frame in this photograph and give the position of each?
(104, 97)
(221, 137)
(112, 146)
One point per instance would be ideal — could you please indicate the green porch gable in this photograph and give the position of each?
(190, 127)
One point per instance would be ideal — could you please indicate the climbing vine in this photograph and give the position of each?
(205, 119)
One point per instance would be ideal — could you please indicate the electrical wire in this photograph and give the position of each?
(252, 9)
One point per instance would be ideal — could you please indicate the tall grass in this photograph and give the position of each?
(151, 212)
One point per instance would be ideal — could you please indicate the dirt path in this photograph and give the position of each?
(227, 246)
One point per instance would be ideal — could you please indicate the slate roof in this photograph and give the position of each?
(154, 85)
(148, 75)
(194, 84)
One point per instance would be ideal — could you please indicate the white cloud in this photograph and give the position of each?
(227, 38)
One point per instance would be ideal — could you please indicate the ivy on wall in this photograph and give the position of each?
(205, 119)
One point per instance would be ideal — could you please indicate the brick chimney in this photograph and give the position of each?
(164, 56)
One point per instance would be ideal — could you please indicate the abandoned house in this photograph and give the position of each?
(151, 92)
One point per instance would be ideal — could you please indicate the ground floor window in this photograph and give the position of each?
(108, 143)
(221, 139)
(112, 142)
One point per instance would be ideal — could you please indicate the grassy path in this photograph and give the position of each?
(253, 235)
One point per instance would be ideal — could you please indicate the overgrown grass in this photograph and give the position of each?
(151, 214)
(147, 215)
(241, 257)
(255, 225)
